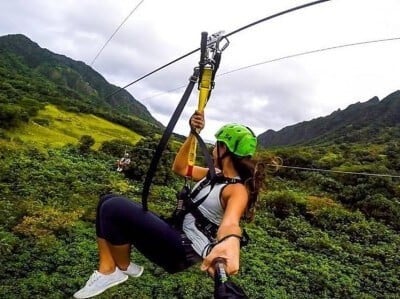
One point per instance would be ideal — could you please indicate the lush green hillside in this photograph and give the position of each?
(32, 77)
(327, 223)
(373, 121)
(316, 235)
(56, 128)
(72, 77)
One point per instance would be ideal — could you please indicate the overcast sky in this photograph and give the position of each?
(269, 96)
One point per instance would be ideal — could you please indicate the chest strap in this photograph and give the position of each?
(207, 227)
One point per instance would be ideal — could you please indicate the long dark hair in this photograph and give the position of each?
(252, 174)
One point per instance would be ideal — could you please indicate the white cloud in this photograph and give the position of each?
(268, 96)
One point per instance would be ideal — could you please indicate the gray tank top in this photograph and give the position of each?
(212, 209)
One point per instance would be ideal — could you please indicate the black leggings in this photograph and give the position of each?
(121, 221)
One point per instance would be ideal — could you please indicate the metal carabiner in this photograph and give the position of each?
(224, 46)
(214, 44)
(218, 37)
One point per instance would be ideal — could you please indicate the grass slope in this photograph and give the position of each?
(67, 127)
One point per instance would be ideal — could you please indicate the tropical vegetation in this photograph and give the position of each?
(327, 222)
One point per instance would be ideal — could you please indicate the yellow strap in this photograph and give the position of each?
(204, 92)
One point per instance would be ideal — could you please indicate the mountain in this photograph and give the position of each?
(359, 122)
(38, 73)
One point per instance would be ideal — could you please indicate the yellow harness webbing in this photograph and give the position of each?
(204, 94)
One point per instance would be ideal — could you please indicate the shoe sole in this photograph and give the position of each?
(136, 275)
(103, 290)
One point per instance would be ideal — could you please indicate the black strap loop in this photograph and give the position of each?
(171, 124)
(165, 137)
(207, 156)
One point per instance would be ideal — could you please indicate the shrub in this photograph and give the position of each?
(141, 157)
(335, 218)
(381, 208)
(3, 134)
(285, 203)
(116, 147)
(42, 121)
(324, 182)
(85, 143)
(46, 221)
(330, 160)
(11, 115)
(8, 242)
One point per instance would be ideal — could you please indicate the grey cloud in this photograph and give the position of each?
(267, 96)
(264, 100)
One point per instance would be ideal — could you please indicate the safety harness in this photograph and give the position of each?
(202, 223)
(186, 205)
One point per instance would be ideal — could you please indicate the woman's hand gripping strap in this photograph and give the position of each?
(204, 93)
(210, 57)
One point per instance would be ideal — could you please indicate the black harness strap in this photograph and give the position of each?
(210, 181)
(207, 156)
(171, 124)
(203, 224)
(164, 139)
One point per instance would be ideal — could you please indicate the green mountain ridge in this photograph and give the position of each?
(359, 122)
(58, 79)
(33, 76)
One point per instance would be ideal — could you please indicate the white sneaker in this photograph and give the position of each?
(99, 282)
(133, 270)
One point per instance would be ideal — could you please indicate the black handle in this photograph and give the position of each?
(224, 288)
(203, 54)
(203, 46)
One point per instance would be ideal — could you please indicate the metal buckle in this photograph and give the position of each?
(216, 43)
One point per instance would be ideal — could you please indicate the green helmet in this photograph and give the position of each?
(239, 139)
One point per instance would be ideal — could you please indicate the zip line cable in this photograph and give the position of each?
(311, 52)
(115, 32)
(302, 168)
(274, 16)
(227, 35)
(152, 72)
(283, 58)
(339, 171)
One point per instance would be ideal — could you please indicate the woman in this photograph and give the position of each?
(121, 222)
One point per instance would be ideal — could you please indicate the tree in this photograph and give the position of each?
(85, 143)
(141, 157)
(11, 115)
